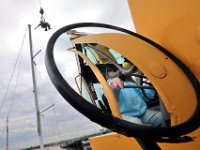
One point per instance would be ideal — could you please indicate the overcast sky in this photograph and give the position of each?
(61, 121)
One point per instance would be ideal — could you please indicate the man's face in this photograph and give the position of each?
(112, 74)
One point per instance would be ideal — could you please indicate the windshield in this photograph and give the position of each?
(99, 54)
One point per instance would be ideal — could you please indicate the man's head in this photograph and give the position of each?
(112, 74)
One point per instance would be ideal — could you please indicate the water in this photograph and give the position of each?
(57, 147)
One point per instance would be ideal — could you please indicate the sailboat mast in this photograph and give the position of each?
(7, 133)
(40, 133)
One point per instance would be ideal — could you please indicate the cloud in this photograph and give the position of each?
(15, 16)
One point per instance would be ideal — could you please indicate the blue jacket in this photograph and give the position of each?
(130, 100)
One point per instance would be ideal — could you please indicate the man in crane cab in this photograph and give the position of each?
(131, 101)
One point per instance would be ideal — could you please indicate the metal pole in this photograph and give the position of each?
(40, 134)
(7, 133)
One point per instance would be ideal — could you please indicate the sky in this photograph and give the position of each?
(61, 121)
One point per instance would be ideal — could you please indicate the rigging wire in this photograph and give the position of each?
(40, 3)
(16, 84)
(45, 132)
(57, 125)
(9, 82)
(1, 137)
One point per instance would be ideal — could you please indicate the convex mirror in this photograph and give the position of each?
(82, 58)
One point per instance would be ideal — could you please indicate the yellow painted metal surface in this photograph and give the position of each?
(174, 24)
(170, 82)
(114, 141)
(193, 145)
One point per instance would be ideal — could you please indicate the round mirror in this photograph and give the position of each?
(123, 81)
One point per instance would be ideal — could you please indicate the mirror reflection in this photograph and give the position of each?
(137, 99)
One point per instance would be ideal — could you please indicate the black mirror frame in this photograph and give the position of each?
(106, 119)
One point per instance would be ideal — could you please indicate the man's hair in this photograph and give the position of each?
(110, 74)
